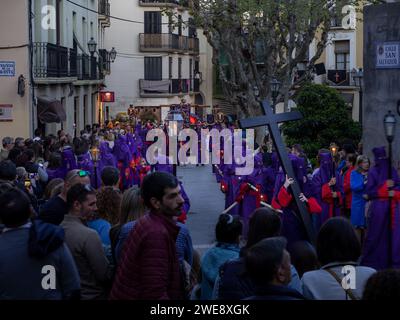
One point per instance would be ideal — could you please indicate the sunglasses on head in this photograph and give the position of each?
(83, 173)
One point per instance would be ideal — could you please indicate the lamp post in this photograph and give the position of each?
(175, 124)
(92, 45)
(95, 153)
(113, 54)
(275, 86)
(358, 80)
(389, 124)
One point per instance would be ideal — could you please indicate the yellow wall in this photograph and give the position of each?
(14, 32)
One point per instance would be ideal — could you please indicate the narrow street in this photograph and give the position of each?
(207, 202)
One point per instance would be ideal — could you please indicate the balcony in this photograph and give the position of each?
(168, 42)
(50, 60)
(166, 87)
(164, 3)
(105, 59)
(104, 13)
(87, 68)
(55, 62)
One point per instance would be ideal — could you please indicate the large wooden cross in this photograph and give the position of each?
(271, 120)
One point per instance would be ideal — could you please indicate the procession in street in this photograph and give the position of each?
(197, 151)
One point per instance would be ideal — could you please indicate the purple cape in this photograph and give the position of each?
(376, 245)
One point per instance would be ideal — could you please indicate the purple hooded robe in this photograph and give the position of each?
(68, 160)
(375, 252)
(322, 177)
(249, 202)
(293, 228)
(123, 157)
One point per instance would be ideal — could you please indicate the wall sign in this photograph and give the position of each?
(7, 68)
(388, 55)
(6, 112)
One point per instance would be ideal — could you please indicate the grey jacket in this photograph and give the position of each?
(94, 269)
(321, 285)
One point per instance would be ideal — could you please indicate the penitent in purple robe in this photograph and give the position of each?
(293, 228)
(68, 160)
(320, 180)
(123, 157)
(135, 144)
(232, 183)
(85, 162)
(106, 159)
(375, 252)
(55, 173)
(251, 199)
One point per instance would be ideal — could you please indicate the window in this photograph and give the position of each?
(170, 67)
(63, 105)
(180, 68)
(58, 22)
(191, 73)
(153, 68)
(170, 24)
(192, 33)
(85, 39)
(180, 25)
(76, 115)
(152, 22)
(91, 30)
(342, 55)
(85, 122)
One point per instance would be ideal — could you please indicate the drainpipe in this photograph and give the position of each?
(31, 78)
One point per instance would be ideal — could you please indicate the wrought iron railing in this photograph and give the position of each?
(164, 86)
(53, 61)
(168, 42)
(50, 60)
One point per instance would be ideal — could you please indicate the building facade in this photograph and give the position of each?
(62, 78)
(342, 57)
(161, 59)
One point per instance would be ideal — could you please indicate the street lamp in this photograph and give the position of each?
(275, 86)
(389, 124)
(113, 54)
(175, 124)
(92, 45)
(358, 76)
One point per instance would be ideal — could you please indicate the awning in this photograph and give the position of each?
(50, 110)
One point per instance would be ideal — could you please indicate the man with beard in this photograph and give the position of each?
(149, 267)
(94, 269)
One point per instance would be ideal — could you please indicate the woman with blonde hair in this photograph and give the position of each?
(132, 208)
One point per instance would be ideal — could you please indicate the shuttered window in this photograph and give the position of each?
(152, 22)
(153, 68)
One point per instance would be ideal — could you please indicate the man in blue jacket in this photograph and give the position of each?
(35, 263)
